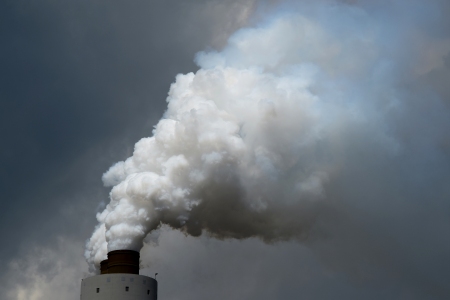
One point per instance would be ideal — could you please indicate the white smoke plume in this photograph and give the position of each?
(250, 142)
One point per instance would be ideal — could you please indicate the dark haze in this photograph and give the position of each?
(81, 82)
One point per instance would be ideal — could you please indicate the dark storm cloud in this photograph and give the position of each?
(77, 74)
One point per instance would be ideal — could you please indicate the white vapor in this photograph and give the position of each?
(255, 142)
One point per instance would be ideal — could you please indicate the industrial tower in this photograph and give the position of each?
(119, 280)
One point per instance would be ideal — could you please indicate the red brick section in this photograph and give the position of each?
(122, 261)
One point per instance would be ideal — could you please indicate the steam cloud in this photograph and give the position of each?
(250, 143)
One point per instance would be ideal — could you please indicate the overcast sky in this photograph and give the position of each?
(83, 81)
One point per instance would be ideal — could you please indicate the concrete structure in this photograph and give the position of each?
(119, 280)
(119, 287)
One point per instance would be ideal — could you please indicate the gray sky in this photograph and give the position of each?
(82, 81)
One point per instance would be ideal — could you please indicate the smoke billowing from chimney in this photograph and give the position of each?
(250, 142)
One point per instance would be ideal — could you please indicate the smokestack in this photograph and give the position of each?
(123, 261)
(120, 279)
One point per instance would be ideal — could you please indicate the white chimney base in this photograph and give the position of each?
(119, 287)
